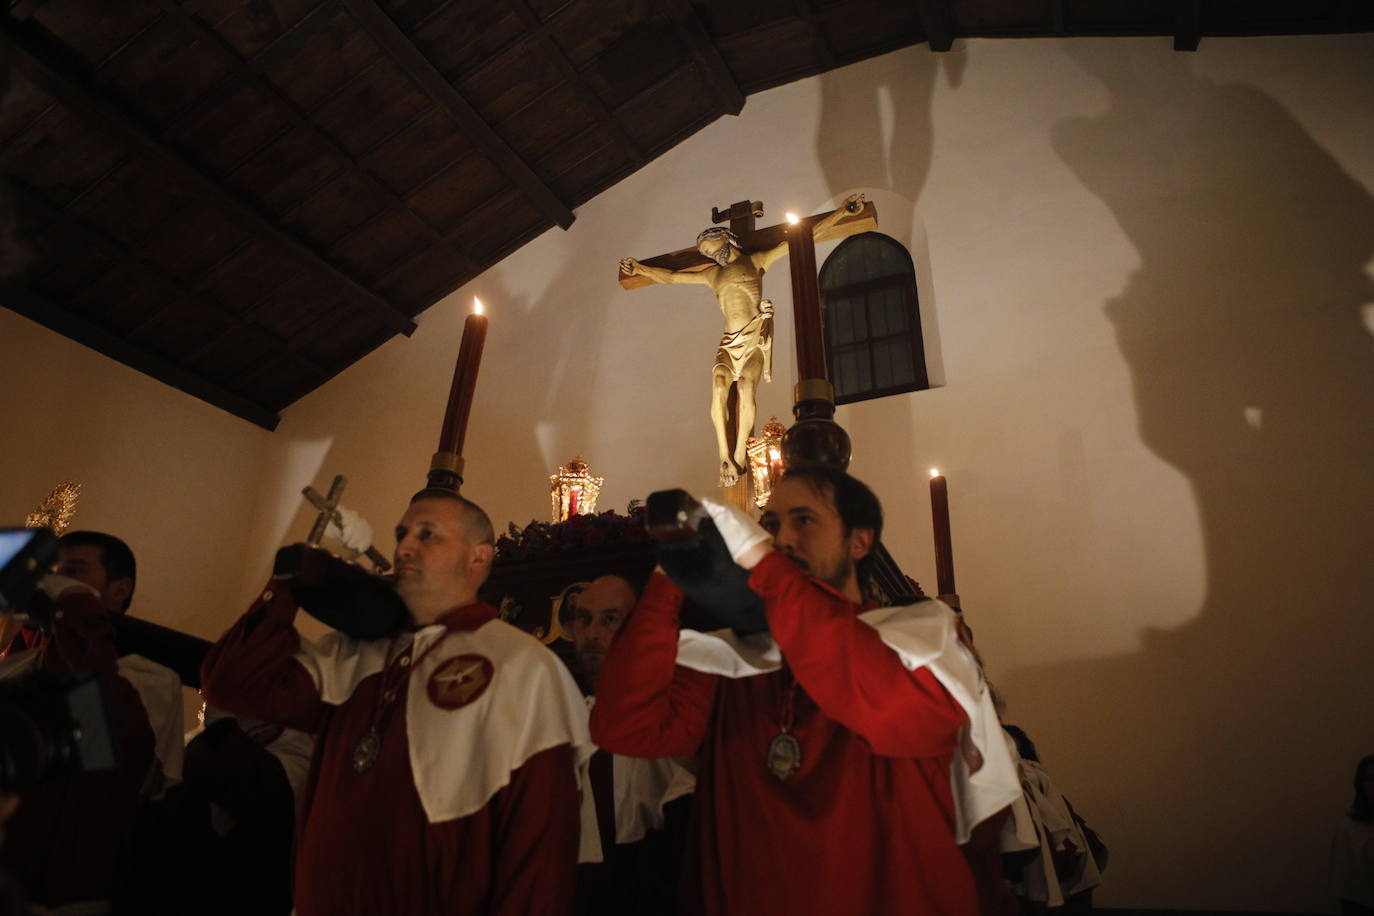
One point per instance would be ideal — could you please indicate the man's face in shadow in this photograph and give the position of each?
(601, 609)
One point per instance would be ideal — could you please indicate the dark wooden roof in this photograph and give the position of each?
(243, 197)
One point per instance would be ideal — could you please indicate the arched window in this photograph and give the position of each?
(872, 320)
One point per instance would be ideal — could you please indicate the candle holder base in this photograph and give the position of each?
(816, 438)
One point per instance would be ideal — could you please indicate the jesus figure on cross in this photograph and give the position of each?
(745, 354)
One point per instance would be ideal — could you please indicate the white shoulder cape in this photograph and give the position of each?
(923, 636)
(461, 757)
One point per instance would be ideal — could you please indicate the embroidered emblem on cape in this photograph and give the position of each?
(460, 680)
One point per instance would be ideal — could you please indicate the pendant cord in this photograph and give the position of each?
(390, 688)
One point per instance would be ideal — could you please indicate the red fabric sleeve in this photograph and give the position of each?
(844, 666)
(646, 705)
(535, 849)
(252, 670)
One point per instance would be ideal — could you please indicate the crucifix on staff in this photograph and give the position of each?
(732, 263)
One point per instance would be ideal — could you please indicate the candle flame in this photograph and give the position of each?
(793, 218)
(934, 472)
(476, 306)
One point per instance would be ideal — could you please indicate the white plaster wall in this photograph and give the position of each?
(174, 477)
(1143, 274)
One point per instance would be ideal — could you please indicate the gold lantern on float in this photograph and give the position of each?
(765, 460)
(573, 490)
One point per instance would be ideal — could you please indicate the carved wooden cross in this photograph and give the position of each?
(741, 216)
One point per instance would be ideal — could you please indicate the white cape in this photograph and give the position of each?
(923, 636)
(461, 757)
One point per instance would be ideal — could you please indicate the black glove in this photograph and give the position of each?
(340, 594)
(701, 566)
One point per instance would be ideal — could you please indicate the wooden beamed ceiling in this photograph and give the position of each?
(241, 198)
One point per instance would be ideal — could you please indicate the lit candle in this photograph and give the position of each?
(944, 547)
(464, 381)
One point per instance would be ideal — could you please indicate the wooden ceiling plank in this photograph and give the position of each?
(693, 32)
(394, 42)
(1061, 17)
(1187, 24)
(937, 22)
(81, 195)
(55, 79)
(94, 238)
(574, 78)
(50, 315)
(285, 45)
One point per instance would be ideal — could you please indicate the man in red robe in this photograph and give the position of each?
(445, 776)
(824, 783)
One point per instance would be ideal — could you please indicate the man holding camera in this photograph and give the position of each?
(445, 771)
(63, 843)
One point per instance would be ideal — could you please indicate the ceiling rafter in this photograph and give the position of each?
(304, 120)
(282, 47)
(55, 79)
(936, 20)
(574, 78)
(94, 238)
(1187, 24)
(394, 42)
(807, 13)
(55, 318)
(691, 29)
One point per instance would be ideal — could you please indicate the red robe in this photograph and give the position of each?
(865, 825)
(365, 845)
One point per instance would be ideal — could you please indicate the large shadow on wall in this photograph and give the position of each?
(1253, 376)
(879, 134)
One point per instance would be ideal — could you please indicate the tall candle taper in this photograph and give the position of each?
(944, 547)
(446, 467)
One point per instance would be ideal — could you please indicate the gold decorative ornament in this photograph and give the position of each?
(765, 460)
(57, 509)
(573, 490)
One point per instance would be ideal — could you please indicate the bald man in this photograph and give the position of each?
(444, 776)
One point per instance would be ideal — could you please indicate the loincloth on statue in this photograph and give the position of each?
(736, 347)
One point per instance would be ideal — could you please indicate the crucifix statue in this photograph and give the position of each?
(732, 263)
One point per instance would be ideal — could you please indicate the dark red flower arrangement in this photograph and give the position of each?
(581, 533)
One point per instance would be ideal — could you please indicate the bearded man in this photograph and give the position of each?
(834, 753)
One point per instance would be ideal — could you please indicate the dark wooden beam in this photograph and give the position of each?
(935, 19)
(54, 318)
(692, 31)
(1061, 17)
(807, 13)
(394, 42)
(1187, 24)
(55, 79)
(554, 51)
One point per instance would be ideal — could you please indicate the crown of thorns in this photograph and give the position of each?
(715, 233)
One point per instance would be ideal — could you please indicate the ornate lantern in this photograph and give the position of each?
(573, 490)
(765, 460)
